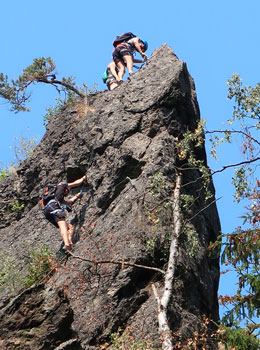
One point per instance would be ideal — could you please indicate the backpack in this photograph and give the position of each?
(104, 76)
(49, 193)
(123, 38)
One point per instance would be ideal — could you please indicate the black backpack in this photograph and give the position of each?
(49, 193)
(123, 38)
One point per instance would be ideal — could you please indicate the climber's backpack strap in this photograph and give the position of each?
(49, 193)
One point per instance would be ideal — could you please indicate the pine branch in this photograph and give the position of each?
(62, 83)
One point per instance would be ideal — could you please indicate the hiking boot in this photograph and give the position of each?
(62, 256)
(68, 248)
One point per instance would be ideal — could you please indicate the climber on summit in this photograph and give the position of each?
(110, 76)
(54, 204)
(125, 47)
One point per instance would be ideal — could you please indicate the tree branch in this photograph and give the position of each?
(59, 82)
(235, 165)
(233, 132)
(204, 208)
(116, 262)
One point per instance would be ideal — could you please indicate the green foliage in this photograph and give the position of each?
(186, 201)
(40, 262)
(9, 275)
(41, 71)
(240, 182)
(40, 68)
(242, 251)
(216, 141)
(15, 91)
(60, 105)
(3, 174)
(186, 151)
(192, 242)
(4, 171)
(241, 248)
(238, 339)
(161, 217)
(160, 212)
(8, 170)
(125, 341)
(247, 101)
(93, 89)
(23, 149)
(157, 184)
(38, 265)
(151, 244)
(16, 206)
(191, 140)
(159, 246)
(245, 125)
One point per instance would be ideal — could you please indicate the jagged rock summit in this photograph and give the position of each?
(124, 140)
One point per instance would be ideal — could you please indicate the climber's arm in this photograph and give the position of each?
(77, 182)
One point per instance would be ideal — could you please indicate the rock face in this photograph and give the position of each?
(125, 140)
(39, 318)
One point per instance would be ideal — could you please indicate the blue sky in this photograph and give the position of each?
(214, 38)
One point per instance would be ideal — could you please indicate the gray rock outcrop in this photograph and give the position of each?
(125, 140)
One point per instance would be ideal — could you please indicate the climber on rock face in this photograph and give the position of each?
(110, 77)
(123, 54)
(55, 204)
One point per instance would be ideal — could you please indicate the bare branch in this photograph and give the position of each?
(204, 208)
(116, 262)
(235, 165)
(62, 83)
(233, 132)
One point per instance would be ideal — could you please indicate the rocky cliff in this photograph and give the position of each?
(125, 140)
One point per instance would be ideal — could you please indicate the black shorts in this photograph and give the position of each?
(54, 218)
(120, 52)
